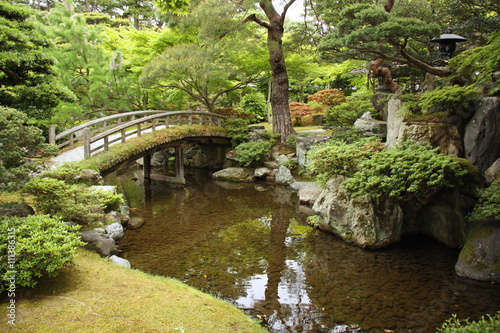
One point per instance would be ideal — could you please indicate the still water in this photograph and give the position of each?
(248, 244)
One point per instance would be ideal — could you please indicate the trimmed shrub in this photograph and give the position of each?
(255, 104)
(407, 171)
(489, 202)
(41, 245)
(339, 157)
(237, 130)
(298, 111)
(328, 97)
(253, 152)
(345, 114)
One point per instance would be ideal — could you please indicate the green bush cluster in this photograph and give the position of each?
(345, 114)
(489, 202)
(255, 104)
(20, 144)
(339, 157)
(40, 244)
(237, 130)
(483, 325)
(71, 202)
(407, 171)
(252, 152)
(446, 97)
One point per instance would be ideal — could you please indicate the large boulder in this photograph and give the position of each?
(15, 209)
(304, 145)
(309, 194)
(96, 241)
(394, 120)
(371, 127)
(380, 101)
(492, 172)
(482, 134)
(365, 221)
(284, 176)
(234, 174)
(442, 135)
(480, 256)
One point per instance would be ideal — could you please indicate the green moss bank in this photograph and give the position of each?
(95, 295)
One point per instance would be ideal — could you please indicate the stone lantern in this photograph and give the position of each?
(447, 43)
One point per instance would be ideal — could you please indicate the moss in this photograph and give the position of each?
(434, 116)
(467, 255)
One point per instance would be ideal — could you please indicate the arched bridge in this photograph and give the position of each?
(142, 133)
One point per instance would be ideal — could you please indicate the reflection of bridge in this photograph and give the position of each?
(100, 134)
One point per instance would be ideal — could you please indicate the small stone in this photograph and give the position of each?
(120, 261)
(115, 231)
(262, 172)
(135, 222)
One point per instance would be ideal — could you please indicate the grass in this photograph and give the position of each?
(95, 295)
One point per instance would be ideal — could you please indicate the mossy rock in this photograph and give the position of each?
(480, 256)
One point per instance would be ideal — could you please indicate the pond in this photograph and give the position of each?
(249, 244)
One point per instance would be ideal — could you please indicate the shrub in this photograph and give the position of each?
(77, 203)
(19, 143)
(253, 152)
(339, 157)
(345, 114)
(483, 325)
(328, 97)
(42, 246)
(67, 173)
(489, 202)
(237, 130)
(298, 111)
(447, 96)
(407, 171)
(255, 104)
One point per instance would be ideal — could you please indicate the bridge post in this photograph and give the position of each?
(146, 167)
(179, 164)
(86, 142)
(52, 134)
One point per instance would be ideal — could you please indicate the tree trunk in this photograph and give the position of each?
(268, 111)
(282, 120)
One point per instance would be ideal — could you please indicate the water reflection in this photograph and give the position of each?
(243, 243)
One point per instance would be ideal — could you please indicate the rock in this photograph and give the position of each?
(271, 165)
(380, 102)
(159, 158)
(442, 135)
(124, 214)
(15, 209)
(365, 221)
(113, 217)
(482, 134)
(394, 122)
(100, 230)
(492, 172)
(235, 174)
(280, 159)
(309, 194)
(371, 127)
(98, 242)
(283, 176)
(256, 133)
(231, 155)
(115, 231)
(262, 172)
(135, 222)
(105, 188)
(304, 145)
(480, 256)
(90, 175)
(295, 187)
(120, 261)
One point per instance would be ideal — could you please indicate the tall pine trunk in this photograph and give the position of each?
(282, 121)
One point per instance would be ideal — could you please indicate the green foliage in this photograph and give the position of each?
(253, 152)
(255, 104)
(42, 246)
(405, 172)
(67, 172)
(27, 80)
(447, 96)
(339, 157)
(489, 202)
(313, 221)
(345, 114)
(478, 64)
(77, 203)
(298, 111)
(19, 145)
(237, 130)
(328, 97)
(483, 325)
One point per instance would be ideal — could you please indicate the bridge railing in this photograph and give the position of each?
(101, 129)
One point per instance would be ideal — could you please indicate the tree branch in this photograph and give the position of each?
(254, 18)
(286, 9)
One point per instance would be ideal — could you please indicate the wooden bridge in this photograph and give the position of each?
(100, 134)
